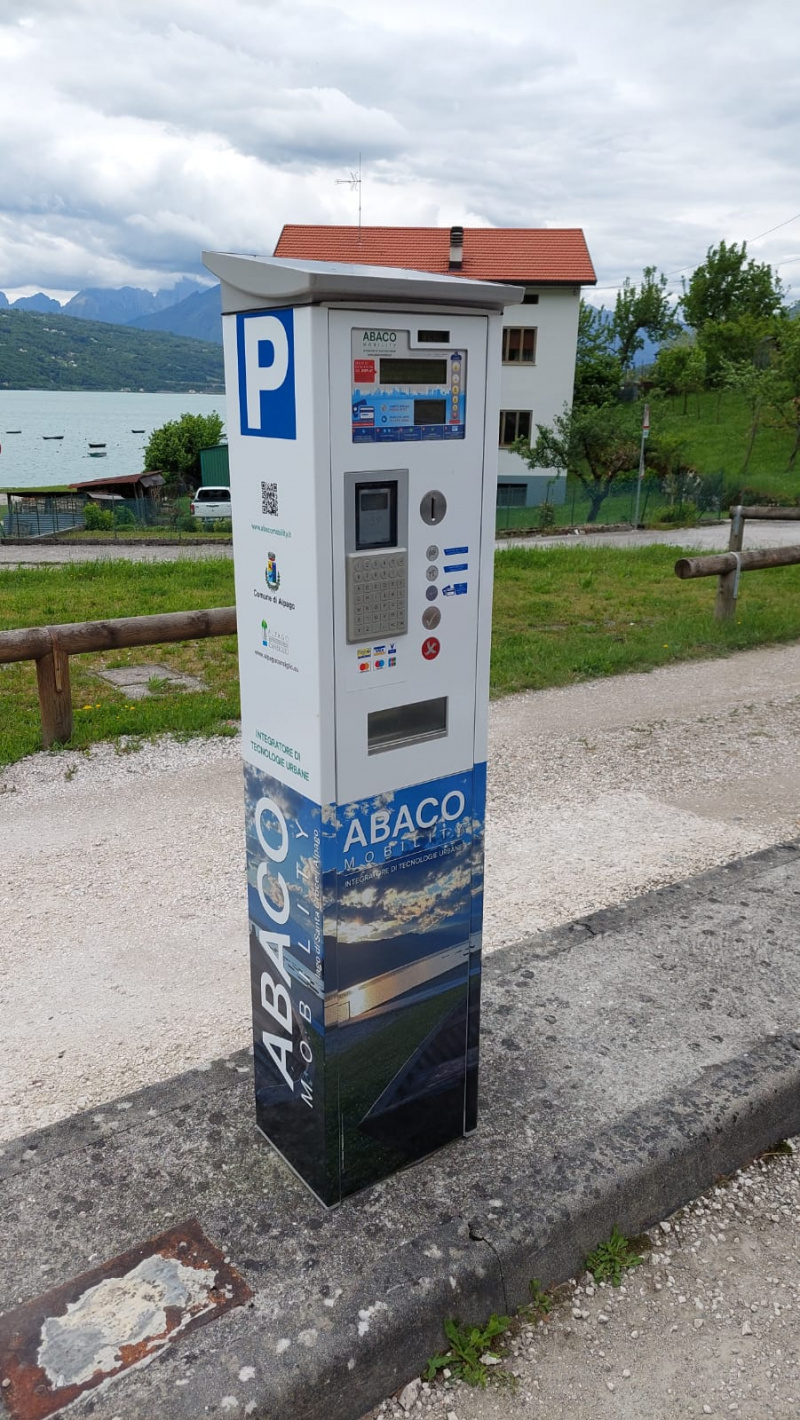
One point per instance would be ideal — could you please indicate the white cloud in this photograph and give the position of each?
(134, 134)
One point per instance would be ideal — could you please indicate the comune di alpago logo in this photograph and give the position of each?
(273, 576)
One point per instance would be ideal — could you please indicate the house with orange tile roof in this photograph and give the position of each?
(540, 331)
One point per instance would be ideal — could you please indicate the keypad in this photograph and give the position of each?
(377, 594)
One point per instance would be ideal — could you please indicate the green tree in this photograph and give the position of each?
(598, 372)
(748, 380)
(641, 308)
(174, 449)
(681, 369)
(595, 445)
(782, 384)
(744, 339)
(726, 286)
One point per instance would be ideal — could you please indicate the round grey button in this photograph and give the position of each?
(431, 573)
(432, 552)
(433, 507)
(431, 593)
(431, 617)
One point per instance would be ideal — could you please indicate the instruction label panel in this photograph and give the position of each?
(402, 392)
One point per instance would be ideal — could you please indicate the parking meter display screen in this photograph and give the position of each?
(398, 396)
(413, 372)
(376, 516)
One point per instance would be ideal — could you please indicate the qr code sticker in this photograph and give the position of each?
(269, 500)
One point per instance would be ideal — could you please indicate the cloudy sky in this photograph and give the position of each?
(134, 133)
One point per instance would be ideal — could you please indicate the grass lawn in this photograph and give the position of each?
(93, 591)
(570, 614)
(560, 616)
(715, 428)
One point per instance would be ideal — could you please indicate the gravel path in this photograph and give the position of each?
(48, 553)
(708, 1325)
(123, 913)
(711, 537)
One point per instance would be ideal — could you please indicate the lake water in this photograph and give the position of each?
(29, 459)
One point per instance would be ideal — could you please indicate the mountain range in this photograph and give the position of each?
(39, 350)
(188, 308)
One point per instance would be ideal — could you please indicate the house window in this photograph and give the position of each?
(511, 495)
(514, 424)
(519, 344)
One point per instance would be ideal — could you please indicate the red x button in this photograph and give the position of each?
(431, 648)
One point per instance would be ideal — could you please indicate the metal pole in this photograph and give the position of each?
(645, 432)
(639, 479)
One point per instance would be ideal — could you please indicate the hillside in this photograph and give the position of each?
(198, 316)
(61, 353)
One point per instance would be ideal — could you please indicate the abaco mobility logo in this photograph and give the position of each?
(265, 345)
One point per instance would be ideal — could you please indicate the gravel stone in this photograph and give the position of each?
(140, 941)
(681, 1370)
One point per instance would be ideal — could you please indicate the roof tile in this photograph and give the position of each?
(536, 255)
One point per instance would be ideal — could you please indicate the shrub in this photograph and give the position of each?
(186, 523)
(124, 517)
(682, 515)
(97, 519)
(751, 497)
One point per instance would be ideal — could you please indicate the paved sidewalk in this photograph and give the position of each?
(628, 1060)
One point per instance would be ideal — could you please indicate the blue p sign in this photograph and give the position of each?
(265, 343)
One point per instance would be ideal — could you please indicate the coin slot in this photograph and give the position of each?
(401, 725)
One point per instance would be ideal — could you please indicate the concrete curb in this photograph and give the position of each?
(350, 1303)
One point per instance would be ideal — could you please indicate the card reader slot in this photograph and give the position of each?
(401, 725)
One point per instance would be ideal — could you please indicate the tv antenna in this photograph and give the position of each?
(354, 184)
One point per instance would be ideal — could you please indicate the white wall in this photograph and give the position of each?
(547, 385)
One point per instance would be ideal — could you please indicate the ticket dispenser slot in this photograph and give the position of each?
(376, 554)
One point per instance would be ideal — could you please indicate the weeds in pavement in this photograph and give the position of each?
(610, 1259)
(473, 1354)
(540, 1302)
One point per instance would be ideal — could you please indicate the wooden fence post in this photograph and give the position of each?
(728, 584)
(55, 695)
(737, 529)
(727, 594)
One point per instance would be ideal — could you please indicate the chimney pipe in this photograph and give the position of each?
(456, 248)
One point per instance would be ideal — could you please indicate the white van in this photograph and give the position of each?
(211, 503)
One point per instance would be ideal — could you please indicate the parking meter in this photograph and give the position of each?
(362, 430)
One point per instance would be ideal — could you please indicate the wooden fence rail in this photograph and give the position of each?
(51, 647)
(728, 566)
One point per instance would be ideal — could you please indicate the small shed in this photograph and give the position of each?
(214, 467)
(136, 486)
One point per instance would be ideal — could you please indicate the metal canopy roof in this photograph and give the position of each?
(263, 281)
